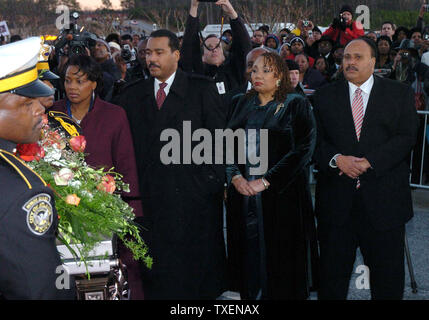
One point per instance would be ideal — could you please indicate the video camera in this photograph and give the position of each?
(342, 20)
(405, 55)
(339, 23)
(74, 40)
(128, 55)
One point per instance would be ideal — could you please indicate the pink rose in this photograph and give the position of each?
(107, 184)
(78, 143)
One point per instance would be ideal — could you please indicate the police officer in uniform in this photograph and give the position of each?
(29, 259)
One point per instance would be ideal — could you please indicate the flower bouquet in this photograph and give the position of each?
(87, 199)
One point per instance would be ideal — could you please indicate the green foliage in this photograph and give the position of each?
(97, 211)
(400, 18)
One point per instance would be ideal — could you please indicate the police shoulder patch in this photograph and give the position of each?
(39, 213)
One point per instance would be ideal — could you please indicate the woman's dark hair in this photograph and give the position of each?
(414, 30)
(127, 37)
(280, 69)
(113, 37)
(305, 56)
(385, 38)
(324, 59)
(401, 29)
(229, 31)
(90, 67)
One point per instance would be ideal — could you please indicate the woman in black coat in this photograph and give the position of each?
(271, 229)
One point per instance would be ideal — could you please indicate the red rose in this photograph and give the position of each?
(30, 151)
(107, 184)
(78, 143)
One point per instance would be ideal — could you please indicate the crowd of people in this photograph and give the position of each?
(344, 100)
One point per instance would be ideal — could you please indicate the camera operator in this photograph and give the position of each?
(140, 69)
(130, 74)
(408, 69)
(127, 39)
(75, 41)
(101, 54)
(407, 66)
(343, 29)
(306, 31)
(226, 72)
(420, 25)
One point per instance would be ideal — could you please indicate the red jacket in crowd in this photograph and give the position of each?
(345, 36)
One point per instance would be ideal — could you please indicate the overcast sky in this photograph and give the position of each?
(97, 3)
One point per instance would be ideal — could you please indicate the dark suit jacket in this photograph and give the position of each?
(182, 203)
(389, 132)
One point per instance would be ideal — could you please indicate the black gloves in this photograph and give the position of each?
(336, 23)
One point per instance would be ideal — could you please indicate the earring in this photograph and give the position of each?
(93, 95)
(278, 83)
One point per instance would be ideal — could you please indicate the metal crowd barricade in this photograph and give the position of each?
(421, 146)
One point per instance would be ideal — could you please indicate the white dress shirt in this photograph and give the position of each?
(169, 82)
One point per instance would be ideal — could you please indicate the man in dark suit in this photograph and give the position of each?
(367, 127)
(182, 201)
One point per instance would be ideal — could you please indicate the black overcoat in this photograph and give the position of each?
(182, 203)
(289, 228)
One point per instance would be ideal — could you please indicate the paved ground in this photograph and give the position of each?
(418, 241)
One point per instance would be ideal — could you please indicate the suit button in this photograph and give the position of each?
(177, 190)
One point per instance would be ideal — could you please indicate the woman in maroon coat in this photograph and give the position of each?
(108, 138)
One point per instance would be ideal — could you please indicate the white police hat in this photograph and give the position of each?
(18, 70)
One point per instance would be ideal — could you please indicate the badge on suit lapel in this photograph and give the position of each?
(279, 107)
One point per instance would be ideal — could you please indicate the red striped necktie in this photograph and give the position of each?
(357, 110)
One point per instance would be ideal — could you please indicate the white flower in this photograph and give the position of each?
(75, 184)
(52, 154)
(63, 177)
(87, 194)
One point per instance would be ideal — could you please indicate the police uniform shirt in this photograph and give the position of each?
(28, 222)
